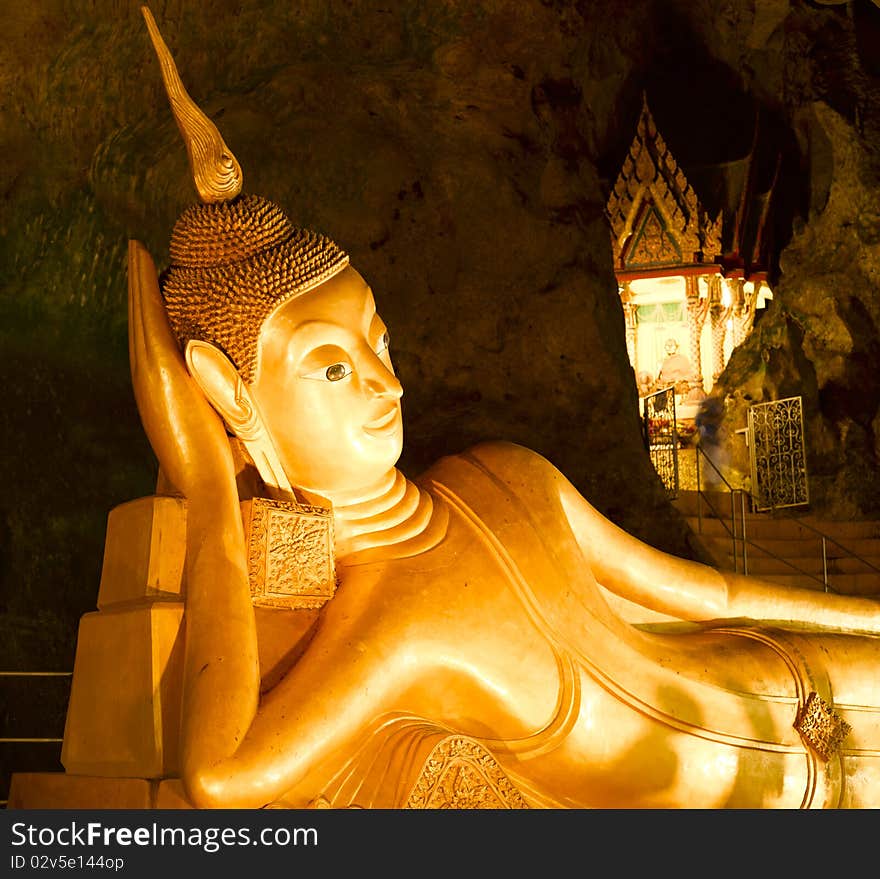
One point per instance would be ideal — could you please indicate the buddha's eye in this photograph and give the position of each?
(337, 372)
(334, 373)
(384, 342)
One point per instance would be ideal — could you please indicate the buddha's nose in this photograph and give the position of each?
(381, 381)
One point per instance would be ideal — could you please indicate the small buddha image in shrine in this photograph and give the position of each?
(690, 283)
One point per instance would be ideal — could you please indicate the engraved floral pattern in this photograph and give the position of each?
(461, 774)
(290, 553)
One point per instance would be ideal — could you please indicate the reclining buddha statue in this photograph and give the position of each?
(479, 636)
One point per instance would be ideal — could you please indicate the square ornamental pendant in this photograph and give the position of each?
(290, 553)
(821, 727)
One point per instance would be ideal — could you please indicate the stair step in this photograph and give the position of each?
(760, 529)
(785, 547)
(687, 504)
(869, 550)
(760, 565)
(867, 529)
(846, 584)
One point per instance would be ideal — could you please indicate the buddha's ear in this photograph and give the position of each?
(220, 382)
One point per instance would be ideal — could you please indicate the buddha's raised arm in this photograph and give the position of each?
(221, 677)
(232, 755)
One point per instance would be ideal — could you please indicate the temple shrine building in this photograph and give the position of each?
(690, 280)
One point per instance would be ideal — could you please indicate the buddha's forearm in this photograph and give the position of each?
(753, 598)
(697, 592)
(221, 676)
(271, 760)
(638, 572)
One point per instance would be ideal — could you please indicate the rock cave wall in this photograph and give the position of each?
(461, 151)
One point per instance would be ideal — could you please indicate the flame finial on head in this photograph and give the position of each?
(216, 172)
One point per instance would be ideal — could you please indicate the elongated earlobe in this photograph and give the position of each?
(220, 382)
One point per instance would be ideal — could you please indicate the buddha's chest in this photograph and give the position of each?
(456, 617)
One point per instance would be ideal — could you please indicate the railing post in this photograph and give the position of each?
(733, 529)
(742, 509)
(699, 494)
(824, 564)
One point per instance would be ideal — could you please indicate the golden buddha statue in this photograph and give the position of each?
(478, 636)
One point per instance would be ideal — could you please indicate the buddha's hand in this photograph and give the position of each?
(187, 435)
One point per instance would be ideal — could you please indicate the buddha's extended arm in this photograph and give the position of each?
(221, 677)
(692, 591)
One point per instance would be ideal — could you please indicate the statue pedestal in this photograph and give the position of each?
(61, 790)
(120, 747)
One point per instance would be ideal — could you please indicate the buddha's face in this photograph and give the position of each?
(326, 389)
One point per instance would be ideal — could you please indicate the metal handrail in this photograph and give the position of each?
(769, 552)
(829, 539)
(745, 542)
(732, 530)
(35, 674)
(32, 740)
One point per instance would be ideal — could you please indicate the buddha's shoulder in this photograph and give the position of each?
(515, 467)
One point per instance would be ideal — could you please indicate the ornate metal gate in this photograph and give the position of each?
(661, 436)
(778, 455)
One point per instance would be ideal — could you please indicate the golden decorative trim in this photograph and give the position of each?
(461, 774)
(290, 553)
(821, 727)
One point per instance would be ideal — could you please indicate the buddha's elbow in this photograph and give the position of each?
(226, 785)
(205, 789)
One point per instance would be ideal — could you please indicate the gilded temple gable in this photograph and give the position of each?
(650, 174)
(652, 242)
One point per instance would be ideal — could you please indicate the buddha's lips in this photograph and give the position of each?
(384, 423)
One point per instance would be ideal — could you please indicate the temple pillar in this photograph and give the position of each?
(739, 309)
(718, 314)
(744, 322)
(696, 317)
(629, 315)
